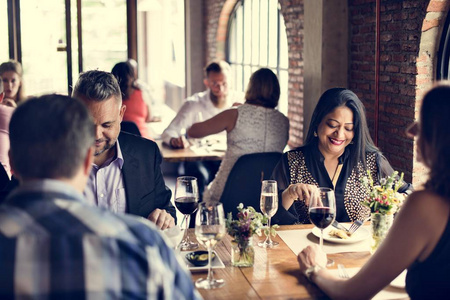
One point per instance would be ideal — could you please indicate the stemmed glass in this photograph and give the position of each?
(269, 206)
(322, 211)
(186, 200)
(209, 230)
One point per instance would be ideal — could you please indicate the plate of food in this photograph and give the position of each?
(198, 260)
(333, 235)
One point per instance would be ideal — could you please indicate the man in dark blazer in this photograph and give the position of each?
(126, 174)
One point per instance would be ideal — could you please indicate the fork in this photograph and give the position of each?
(355, 226)
(342, 271)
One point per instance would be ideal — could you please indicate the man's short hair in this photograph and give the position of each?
(50, 136)
(217, 67)
(97, 86)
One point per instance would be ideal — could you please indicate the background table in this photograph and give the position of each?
(275, 274)
(193, 153)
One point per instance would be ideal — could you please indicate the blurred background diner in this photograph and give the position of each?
(138, 111)
(11, 73)
(253, 127)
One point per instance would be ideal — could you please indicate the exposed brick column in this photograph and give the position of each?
(400, 26)
(433, 22)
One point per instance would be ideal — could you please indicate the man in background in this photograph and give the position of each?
(126, 175)
(55, 245)
(200, 107)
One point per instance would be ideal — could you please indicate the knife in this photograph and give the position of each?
(337, 225)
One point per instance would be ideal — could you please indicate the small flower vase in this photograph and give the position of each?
(381, 224)
(242, 254)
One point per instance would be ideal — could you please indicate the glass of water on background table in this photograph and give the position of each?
(209, 230)
(186, 201)
(269, 206)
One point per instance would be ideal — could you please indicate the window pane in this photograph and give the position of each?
(283, 102)
(44, 58)
(104, 33)
(239, 83)
(255, 32)
(239, 35)
(247, 31)
(4, 49)
(264, 37)
(232, 55)
(264, 21)
(273, 34)
(284, 59)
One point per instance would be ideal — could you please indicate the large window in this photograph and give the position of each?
(256, 39)
(53, 49)
(161, 50)
(3, 31)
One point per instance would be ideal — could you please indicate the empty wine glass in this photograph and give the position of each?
(269, 206)
(209, 230)
(186, 201)
(322, 211)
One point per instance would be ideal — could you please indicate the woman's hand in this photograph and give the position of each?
(300, 191)
(310, 256)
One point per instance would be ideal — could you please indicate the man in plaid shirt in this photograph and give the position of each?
(53, 244)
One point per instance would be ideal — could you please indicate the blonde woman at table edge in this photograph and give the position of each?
(253, 127)
(419, 239)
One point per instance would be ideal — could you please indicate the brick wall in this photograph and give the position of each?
(406, 65)
(400, 26)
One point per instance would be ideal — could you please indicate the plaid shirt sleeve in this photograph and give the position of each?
(66, 250)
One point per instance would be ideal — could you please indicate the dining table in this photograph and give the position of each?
(209, 148)
(276, 274)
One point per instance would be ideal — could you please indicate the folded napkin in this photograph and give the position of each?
(298, 239)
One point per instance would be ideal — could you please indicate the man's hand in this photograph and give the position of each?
(179, 142)
(161, 218)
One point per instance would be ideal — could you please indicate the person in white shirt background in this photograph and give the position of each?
(202, 106)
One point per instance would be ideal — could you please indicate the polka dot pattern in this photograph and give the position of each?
(354, 191)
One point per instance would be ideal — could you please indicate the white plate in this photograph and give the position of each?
(215, 264)
(359, 235)
(399, 281)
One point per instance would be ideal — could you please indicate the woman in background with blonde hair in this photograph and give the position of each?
(11, 73)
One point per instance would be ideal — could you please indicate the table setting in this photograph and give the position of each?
(247, 257)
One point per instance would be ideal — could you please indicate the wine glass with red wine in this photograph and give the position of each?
(322, 211)
(186, 201)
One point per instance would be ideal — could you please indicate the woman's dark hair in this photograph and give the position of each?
(434, 139)
(329, 101)
(124, 74)
(263, 89)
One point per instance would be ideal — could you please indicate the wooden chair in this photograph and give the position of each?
(244, 182)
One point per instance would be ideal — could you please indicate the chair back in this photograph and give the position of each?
(244, 182)
(4, 178)
(130, 127)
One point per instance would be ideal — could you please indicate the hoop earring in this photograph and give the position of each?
(315, 134)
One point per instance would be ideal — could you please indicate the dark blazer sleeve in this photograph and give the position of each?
(281, 175)
(145, 188)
